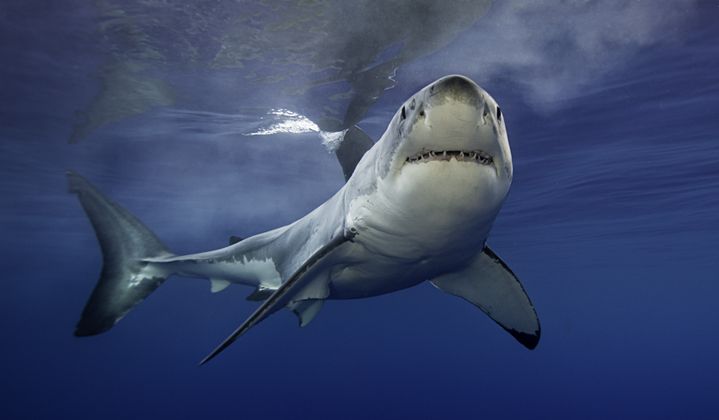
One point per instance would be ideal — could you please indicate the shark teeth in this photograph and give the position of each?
(477, 156)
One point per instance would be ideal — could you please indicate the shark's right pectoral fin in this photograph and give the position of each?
(491, 286)
(290, 292)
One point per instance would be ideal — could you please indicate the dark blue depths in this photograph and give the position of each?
(611, 223)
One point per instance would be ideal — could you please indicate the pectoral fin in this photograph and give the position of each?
(261, 293)
(284, 295)
(491, 286)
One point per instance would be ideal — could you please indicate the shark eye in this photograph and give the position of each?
(404, 113)
(499, 114)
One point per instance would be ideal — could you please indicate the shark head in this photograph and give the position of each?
(451, 120)
(446, 149)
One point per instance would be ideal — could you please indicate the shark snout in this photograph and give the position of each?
(455, 88)
(453, 109)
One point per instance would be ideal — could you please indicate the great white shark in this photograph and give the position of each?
(417, 206)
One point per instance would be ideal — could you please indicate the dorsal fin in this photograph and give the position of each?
(235, 239)
(354, 145)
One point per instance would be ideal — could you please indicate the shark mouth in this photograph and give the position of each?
(477, 156)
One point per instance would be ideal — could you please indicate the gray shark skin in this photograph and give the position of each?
(418, 206)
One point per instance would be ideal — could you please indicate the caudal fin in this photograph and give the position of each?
(126, 279)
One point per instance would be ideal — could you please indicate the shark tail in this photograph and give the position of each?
(126, 279)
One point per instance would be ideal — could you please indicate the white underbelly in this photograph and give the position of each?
(362, 269)
(431, 220)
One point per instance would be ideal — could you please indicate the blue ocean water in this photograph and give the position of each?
(611, 222)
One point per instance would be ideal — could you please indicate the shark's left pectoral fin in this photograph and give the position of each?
(290, 292)
(491, 286)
